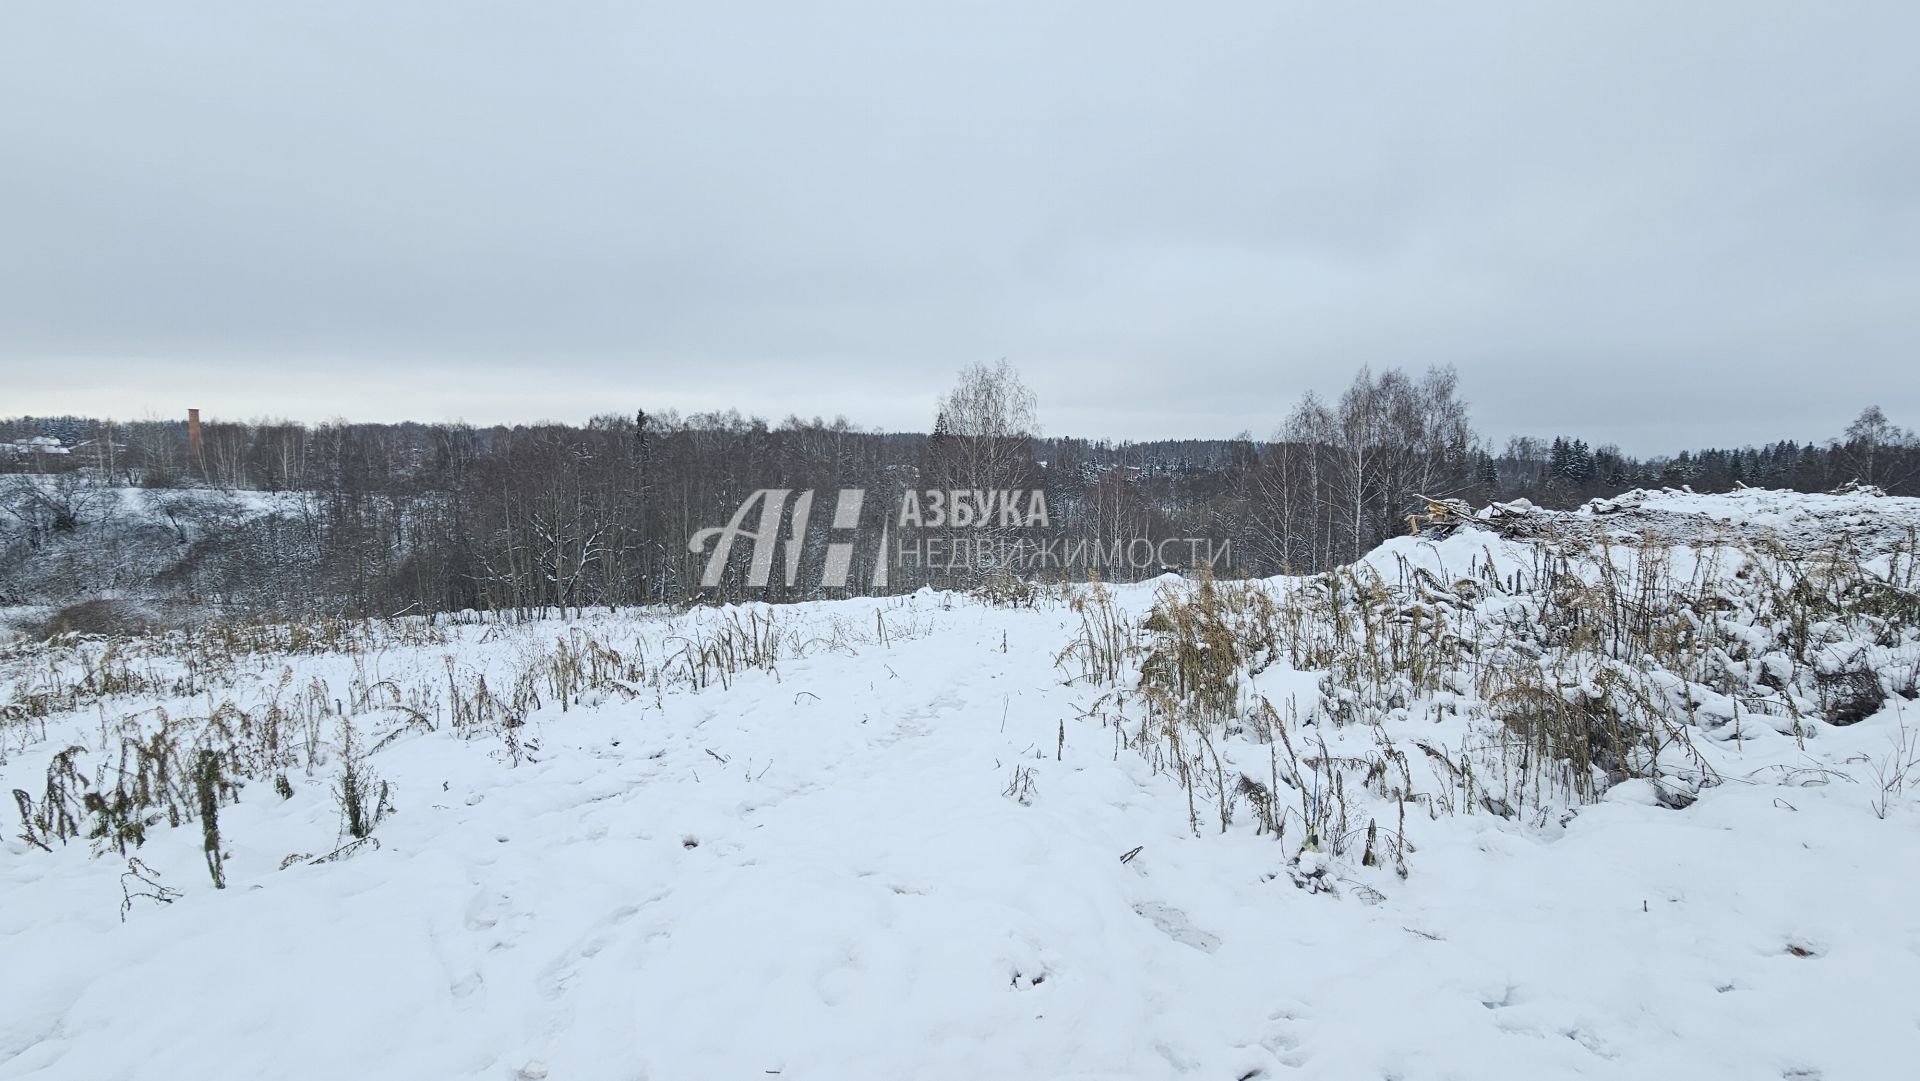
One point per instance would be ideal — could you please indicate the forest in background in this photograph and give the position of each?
(275, 517)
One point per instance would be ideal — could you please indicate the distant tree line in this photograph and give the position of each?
(382, 519)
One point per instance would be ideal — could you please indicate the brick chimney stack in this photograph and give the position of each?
(193, 434)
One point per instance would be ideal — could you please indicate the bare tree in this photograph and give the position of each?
(983, 438)
(989, 422)
(1339, 479)
(1870, 448)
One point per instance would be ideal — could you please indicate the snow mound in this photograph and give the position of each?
(1802, 523)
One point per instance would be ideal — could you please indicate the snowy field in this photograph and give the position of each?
(933, 837)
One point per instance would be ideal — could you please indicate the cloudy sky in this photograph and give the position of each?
(1657, 224)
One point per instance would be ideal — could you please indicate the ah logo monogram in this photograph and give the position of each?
(765, 537)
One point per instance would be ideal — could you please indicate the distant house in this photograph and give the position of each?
(32, 445)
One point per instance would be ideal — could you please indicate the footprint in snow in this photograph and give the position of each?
(1284, 1037)
(1174, 924)
(560, 973)
(465, 985)
(1027, 981)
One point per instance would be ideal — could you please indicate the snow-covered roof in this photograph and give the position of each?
(37, 444)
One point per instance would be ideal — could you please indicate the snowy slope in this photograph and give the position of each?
(125, 540)
(894, 848)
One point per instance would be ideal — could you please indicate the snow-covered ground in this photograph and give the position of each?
(910, 838)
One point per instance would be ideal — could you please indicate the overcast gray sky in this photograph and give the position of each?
(1661, 224)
